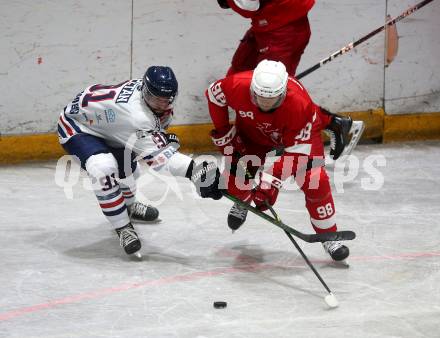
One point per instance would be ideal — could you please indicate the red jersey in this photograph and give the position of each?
(295, 125)
(273, 14)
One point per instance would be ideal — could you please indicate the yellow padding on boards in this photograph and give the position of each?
(23, 148)
(411, 127)
(373, 120)
(195, 138)
(41, 147)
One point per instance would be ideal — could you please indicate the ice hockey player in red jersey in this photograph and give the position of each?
(272, 110)
(280, 31)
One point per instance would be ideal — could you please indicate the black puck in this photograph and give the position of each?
(220, 305)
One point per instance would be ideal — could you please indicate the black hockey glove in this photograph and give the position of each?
(206, 178)
(172, 138)
(223, 4)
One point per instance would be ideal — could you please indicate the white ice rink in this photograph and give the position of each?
(63, 274)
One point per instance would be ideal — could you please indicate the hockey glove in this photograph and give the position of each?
(173, 139)
(206, 178)
(223, 4)
(266, 191)
(228, 141)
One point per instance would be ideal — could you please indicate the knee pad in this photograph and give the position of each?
(103, 168)
(130, 181)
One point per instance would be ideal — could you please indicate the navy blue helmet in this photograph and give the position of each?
(159, 81)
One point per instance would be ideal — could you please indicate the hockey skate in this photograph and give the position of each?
(356, 130)
(337, 251)
(236, 217)
(129, 240)
(139, 212)
(338, 131)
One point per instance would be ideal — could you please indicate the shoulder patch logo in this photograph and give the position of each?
(110, 115)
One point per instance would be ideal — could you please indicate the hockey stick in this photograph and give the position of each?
(309, 238)
(356, 43)
(330, 299)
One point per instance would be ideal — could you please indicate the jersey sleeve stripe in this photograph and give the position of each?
(66, 126)
(299, 149)
(61, 131)
(72, 124)
(213, 99)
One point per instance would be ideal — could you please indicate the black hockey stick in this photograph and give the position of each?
(356, 43)
(309, 238)
(330, 299)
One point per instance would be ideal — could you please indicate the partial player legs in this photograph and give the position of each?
(319, 203)
(137, 211)
(128, 174)
(286, 44)
(237, 215)
(241, 173)
(245, 57)
(103, 169)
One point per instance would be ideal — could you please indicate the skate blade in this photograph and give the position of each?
(356, 131)
(137, 255)
(342, 264)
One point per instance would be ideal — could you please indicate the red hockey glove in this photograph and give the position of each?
(266, 191)
(228, 141)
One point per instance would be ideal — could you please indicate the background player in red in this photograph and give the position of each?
(272, 110)
(280, 31)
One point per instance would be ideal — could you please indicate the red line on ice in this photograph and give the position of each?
(185, 278)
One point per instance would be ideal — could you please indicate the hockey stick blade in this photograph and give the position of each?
(309, 238)
(345, 235)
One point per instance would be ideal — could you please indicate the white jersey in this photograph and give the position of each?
(119, 115)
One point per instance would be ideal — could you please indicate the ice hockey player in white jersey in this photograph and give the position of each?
(110, 128)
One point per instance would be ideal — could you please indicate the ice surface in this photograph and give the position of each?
(63, 274)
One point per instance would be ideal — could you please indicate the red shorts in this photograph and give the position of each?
(285, 44)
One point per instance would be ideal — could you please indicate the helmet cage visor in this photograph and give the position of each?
(157, 103)
(267, 102)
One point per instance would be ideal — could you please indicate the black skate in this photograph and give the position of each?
(129, 240)
(236, 217)
(336, 250)
(140, 212)
(338, 130)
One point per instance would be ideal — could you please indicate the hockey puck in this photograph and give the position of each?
(220, 305)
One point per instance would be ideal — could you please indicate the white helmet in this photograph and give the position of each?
(269, 81)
